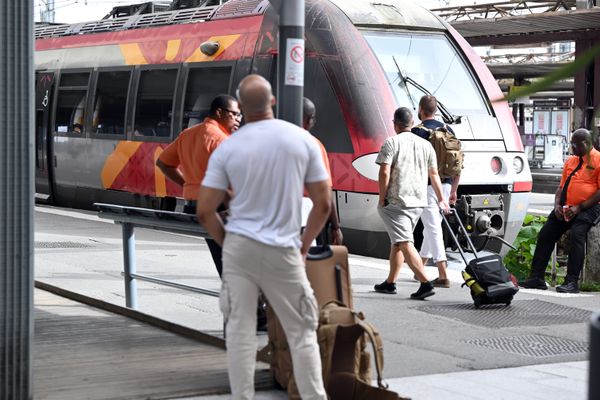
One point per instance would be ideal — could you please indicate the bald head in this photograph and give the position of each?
(255, 97)
(308, 114)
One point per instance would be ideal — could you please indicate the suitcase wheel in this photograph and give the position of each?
(507, 303)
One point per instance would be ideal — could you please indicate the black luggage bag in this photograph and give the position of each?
(489, 281)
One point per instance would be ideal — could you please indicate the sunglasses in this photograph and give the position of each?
(236, 114)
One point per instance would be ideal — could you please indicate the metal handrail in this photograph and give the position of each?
(166, 221)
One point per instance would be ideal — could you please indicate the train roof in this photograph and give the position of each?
(231, 9)
(380, 13)
(390, 13)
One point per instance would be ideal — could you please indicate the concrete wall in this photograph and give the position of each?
(592, 262)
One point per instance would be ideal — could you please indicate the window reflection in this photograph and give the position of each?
(154, 106)
(110, 103)
(432, 62)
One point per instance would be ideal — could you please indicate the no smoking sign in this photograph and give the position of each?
(294, 62)
(297, 54)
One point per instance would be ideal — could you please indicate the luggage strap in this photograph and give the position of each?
(466, 283)
(345, 347)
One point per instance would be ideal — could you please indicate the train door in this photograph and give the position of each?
(43, 142)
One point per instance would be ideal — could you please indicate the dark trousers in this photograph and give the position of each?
(216, 251)
(551, 232)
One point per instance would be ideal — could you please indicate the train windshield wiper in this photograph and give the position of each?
(447, 116)
(403, 83)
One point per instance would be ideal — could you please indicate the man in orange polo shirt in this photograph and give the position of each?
(331, 233)
(185, 160)
(576, 208)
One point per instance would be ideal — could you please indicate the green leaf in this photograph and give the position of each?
(529, 232)
(532, 249)
(528, 219)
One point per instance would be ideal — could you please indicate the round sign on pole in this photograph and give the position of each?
(297, 54)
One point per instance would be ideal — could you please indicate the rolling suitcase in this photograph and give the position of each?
(328, 273)
(329, 276)
(489, 281)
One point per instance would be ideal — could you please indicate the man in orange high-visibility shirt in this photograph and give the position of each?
(332, 230)
(185, 160)
(576, 208)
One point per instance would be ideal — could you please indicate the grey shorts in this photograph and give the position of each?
(400, 221)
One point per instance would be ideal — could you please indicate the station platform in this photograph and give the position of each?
(439, 348)
(81, 352)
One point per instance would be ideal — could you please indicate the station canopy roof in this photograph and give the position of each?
(503, 71)
(534, 28)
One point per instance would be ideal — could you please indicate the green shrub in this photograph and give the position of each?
(589, 287)
(518, 261)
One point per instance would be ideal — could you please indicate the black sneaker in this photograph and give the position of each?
(534, 283)
(569, 287)
(425, 290)
(386, 287)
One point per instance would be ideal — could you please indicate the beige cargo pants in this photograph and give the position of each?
(280, 273)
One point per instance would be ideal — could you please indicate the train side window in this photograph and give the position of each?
(110, 102)
(154, 103)
(71, 103)
(74, 79)
(203, 85)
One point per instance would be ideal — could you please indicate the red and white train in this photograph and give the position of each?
(111, 94)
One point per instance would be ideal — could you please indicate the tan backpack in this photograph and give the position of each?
(343, 335)
(328, 272)
(448, 151)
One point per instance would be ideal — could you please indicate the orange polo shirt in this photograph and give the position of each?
(325, 159)
(586, 181)
(190, 153)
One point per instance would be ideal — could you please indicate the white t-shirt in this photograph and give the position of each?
(266, 163)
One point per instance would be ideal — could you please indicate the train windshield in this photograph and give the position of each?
(432, 62)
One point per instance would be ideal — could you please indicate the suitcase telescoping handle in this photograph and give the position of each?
(338, 283)
(464, 230)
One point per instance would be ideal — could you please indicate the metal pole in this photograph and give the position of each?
(290, 61)
(16, 199)
(593, 381)
(129, 266)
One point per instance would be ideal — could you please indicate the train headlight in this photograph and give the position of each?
(496, 165)
(518, 164)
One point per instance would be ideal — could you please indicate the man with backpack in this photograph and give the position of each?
(440, 135)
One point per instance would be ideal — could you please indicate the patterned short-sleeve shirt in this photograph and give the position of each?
(410, 158)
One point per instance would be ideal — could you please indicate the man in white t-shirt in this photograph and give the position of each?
(266, 163)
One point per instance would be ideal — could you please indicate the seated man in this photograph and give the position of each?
(576, 208)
